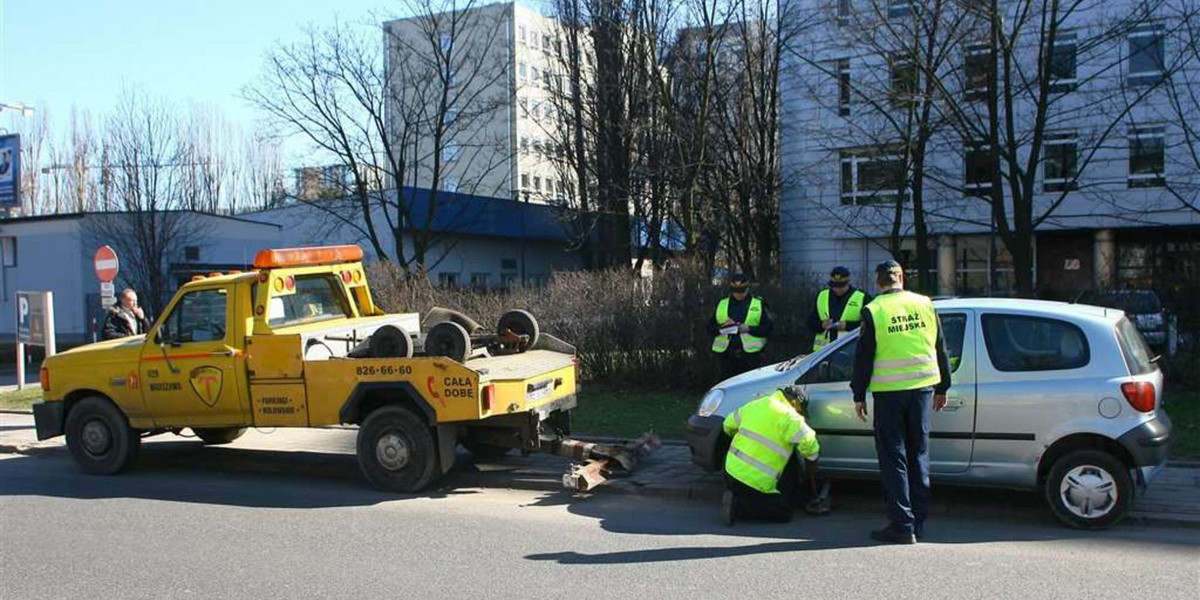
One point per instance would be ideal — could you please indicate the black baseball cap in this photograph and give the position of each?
(889, 270)
(739, 282)
(839, 276)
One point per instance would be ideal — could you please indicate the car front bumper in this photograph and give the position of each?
(704, 437)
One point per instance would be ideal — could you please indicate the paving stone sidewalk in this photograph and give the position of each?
(1173, 498)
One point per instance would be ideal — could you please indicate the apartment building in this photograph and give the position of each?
(498, 66)
(1112, 177)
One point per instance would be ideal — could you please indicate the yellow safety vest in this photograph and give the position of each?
(851, 313)
(905, 342)
(750, 343)
(765, 432)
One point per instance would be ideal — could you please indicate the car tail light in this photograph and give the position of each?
(45, 377)
(290, 283)
(347, 277)
(489, 390)
(1139, 394)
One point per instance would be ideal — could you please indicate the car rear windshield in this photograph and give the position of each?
(1133, 347)
(318, 297)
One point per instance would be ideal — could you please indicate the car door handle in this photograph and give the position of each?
(953, 404)
(226, 352)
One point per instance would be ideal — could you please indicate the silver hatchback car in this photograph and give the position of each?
(1065, 398)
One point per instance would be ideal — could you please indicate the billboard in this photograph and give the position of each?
(10, 171)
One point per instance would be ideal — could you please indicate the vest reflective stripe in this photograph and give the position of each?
(804, 432)
(772, 446)
(907, 376)
(754, 462)
(905, 362)
(905, 342)
(852, 312)
(750, 343)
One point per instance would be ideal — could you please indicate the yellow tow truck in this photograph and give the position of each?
(299, 342)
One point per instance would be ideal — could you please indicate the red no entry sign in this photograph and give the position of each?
(106, 264)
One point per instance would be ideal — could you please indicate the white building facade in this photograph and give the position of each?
(1112, 166)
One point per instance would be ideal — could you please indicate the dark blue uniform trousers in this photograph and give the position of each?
(902, 445)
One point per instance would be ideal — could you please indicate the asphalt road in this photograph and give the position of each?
(180, 532)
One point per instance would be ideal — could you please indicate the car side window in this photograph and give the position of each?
(198, 317)
(954, 330)
(836, 367)
(1023, 343)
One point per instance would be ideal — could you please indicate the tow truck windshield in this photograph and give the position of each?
(318, 297)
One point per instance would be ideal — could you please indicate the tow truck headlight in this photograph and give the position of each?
(711, 402)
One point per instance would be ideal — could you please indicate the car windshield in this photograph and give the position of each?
(318, 297)
(1134, 303)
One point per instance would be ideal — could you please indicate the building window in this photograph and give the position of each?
(521, 34)
(1063, 56)
(1059, 162)
(524, 144)
(977, 72)
(449, 117)
(450, 184)
(508, 264)
(977, 169)
(445, 42)
(871, 178)
(905, 78)
(843, 11)
(191, 253)
(533, 39)
(524, 181)
(1147, 157)
(448, 279)
(1146, 59)
(843, 78)
(534, 75)
(522, 71)
(537, 183)
(509, 280)
(450, 151)
(479, 281)
(899, 8)
(8, 251)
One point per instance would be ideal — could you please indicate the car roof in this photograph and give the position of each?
(1035, 307)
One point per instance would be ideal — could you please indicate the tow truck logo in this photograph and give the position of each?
(206, 382)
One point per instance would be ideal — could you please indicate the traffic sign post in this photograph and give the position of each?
(35, 327)
(107, 266)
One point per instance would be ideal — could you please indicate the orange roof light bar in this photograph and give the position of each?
(300, 257)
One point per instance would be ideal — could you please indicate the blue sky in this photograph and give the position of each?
(55, 54)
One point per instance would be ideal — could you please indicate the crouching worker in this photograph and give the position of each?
(761, 470)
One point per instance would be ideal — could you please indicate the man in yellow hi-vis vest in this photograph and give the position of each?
(740, 329)
(901, 360)
(838, 309)
(761, 470)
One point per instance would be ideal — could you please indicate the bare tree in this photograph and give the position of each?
(413, 112)
(144, 145)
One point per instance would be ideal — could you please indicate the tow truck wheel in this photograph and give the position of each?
(1089, 489)
(396, 451)
(450, 340)
(213, 436)
(100, 438)
(519, 322)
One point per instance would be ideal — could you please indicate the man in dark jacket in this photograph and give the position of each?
(740, 328)
(901, 360)
(126, 318)
(838, 308)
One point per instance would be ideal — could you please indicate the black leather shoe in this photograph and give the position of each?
(919, 532)
(891, 536)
